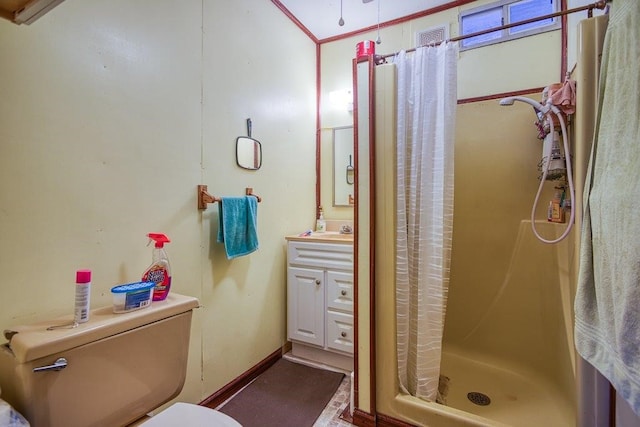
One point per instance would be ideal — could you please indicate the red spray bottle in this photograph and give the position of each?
(159, 272)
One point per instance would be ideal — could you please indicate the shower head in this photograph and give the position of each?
(536, 105)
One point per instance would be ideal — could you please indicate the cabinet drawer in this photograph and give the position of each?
(340, 291)
(322, 255)
(340, 332)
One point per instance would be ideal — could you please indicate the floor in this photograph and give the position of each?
(331, 415)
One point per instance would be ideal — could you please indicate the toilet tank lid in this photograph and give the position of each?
(31, 342)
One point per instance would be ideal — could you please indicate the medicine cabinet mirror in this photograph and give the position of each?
(248, 153)
(343, 166)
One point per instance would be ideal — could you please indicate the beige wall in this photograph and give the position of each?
(111, 113)
(524, 63)
(496, 157)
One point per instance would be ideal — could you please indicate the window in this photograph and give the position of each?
(505, 12)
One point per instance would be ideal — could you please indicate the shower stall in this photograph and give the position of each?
(507, 352)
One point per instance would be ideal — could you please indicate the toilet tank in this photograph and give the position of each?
(118, 366)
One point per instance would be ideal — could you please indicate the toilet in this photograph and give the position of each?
(187, 414)
(110, 371)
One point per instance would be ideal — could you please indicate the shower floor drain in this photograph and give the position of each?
(479, 398)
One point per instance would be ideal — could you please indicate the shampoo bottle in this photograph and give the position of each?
(83, 296)
(556, 212)
(159, 272)
(321, 225)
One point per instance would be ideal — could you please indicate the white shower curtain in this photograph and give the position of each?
(427, 98)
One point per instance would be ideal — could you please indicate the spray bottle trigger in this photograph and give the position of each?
(159, 238)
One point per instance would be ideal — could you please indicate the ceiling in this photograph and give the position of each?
(321, 17)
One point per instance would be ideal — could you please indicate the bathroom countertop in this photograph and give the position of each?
(326, 237)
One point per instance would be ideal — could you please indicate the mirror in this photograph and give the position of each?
(350, 173)
(248, 153)
(343, 166)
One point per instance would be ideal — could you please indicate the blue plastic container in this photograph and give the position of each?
(132, 296)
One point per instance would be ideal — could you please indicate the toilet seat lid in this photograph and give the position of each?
(187, 414)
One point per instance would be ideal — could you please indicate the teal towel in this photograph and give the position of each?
(238, 228)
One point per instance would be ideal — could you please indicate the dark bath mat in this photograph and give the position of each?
(286, 394)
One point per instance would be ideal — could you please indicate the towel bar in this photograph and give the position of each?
(204, 197)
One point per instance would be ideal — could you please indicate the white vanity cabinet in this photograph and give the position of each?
(320, 301)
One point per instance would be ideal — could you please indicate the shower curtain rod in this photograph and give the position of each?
(597, 5)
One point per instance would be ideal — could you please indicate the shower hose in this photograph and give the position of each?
(567, 159)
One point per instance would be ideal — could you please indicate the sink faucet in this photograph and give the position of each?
(346, 229)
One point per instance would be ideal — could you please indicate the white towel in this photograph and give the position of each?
(607, 305)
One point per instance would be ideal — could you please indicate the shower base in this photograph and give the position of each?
(517, 398)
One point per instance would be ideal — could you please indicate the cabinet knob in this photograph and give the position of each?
(343, 292)
(343, 334)
(317, 281)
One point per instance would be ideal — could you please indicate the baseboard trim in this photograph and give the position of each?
(363, 419)
(220, 396)
(387, 421)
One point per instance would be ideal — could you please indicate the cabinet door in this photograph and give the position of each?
(305, 311)
(340, 291)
